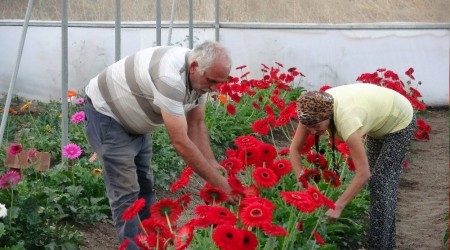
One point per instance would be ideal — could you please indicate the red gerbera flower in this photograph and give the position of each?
(351, 165)
(255, 215)
(409, 73)
(261, 127)
(325, 87)
(184, 236)
(268, 152)
(307, 175)
(318, 238)
(308, 144)
(274, 230)
(300, 226)
(124, 244)
(226, 237)
(232, 165)
(133, 210)
(149, 241)
(183, 181)
(249, 156)
(153, 227)
(283, 151)
(231, 109)
(319, 159)
(216, 214)
(212, 195)
(251, 191)
(165, 209)
(281, 167)
(331, 177)
(15, 149)
(300, 200)
(246, 141)
(236, 184)
(265, 177)
(250, 242)
(184, 200)
(319, 197)
(256, 106)
(258, 200)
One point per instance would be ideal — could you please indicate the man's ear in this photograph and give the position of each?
(193, 66)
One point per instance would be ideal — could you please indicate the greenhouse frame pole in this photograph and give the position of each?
(12, 83)
(158, 22)
(64, 78)
(217, 21)
(191, 24)
(117, 29)
(172, 17)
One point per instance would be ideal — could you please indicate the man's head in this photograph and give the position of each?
(209, 64)
(314, 107)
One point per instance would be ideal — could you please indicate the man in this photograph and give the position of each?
(159, 86)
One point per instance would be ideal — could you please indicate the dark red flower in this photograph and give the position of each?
(300, 200)
(307, 175)
(319, 159)
(250, 242)
(351, 165)
(318, 238)
(165, 209)
(300, 226)
(236, 184)
(241, 67)
(212, 195)
(15, 149)
(265, 177)
(133, 210)
(226, 237)
(231, 109)
(256, 106)
(331, 177)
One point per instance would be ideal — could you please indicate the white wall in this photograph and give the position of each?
(325, 56)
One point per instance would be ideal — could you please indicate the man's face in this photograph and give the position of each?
(208, 80)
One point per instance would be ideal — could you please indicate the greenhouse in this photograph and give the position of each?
(224, 124)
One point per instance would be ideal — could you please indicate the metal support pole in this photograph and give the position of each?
(172, 17)
(117, 28)
(64, 78)
(191, 24)
(12, 83)
(217, 22)
(158, 22)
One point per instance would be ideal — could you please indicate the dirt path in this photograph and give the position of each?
(423, 194)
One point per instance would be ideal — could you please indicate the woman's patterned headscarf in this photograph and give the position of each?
(314, 107)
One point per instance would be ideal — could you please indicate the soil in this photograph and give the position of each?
(423, 210)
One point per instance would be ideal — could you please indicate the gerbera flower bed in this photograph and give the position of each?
(273, 212)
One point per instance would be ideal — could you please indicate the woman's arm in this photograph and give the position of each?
(362, 174)
(301, 134)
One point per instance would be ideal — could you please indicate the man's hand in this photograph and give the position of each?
(334, 214)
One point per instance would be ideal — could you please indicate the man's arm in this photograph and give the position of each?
(198, 133)
(177, 128)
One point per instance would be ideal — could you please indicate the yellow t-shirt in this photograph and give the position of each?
(378, 111)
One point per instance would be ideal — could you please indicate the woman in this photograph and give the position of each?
(350, 112)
